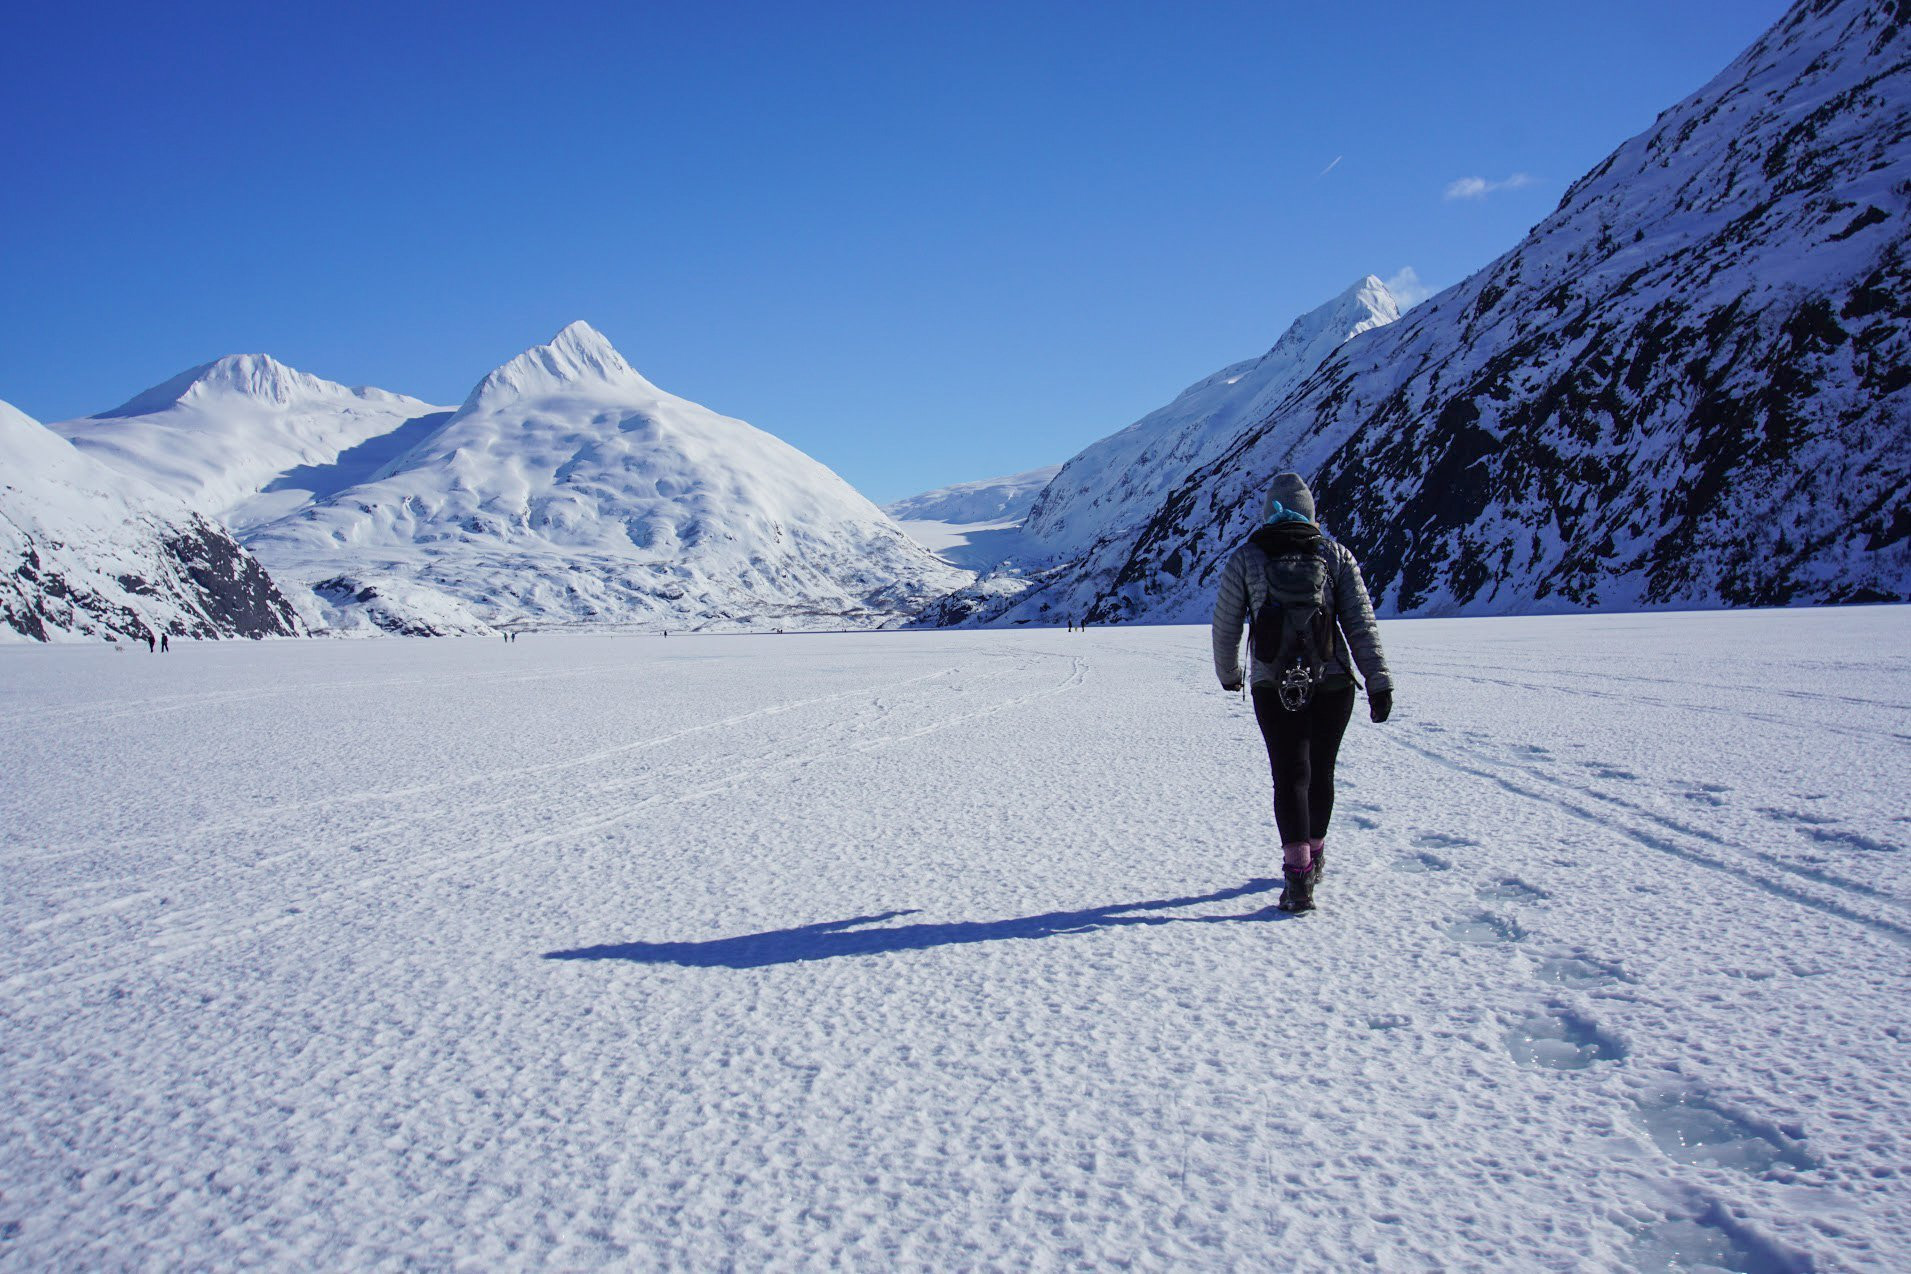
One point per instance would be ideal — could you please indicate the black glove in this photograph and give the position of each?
(1379, 704)
(1231, 686)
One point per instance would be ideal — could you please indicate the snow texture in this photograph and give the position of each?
(569, 489)
(1689, 386)
(88, 552)
(955, 950)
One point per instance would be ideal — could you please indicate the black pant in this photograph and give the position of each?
(1302, 747)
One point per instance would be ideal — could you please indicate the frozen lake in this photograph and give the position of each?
(957, 950)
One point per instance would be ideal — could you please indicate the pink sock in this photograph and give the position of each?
(1298, 856)
(1316, 845)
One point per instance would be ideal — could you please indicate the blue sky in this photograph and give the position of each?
(924, 243)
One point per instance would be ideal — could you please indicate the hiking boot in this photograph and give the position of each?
(1298, 893)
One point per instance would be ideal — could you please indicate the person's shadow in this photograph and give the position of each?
(834, 938)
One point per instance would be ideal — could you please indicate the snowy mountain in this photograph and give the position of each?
(1118, 483)
(218, 436)
(1080, 529)
(568, 488)
(88, 551)
(1688, 386)
(992, 501)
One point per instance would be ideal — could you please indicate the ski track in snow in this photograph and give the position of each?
(955, 949)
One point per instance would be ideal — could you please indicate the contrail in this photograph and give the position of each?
(1330, 167)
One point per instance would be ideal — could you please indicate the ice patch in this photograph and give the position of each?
(1440, 840)
(1511, 889)
(1692, 1129)
(1710, 1244)
(1483, 929)
(1578, 973)
(1561, 1040)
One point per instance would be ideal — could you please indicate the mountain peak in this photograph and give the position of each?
(580, 337)
(1371, 295)
(258, 377)
(578, 359)
(1315, 334)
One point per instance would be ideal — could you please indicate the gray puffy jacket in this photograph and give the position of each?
(1243, 590)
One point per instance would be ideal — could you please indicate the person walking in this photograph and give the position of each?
(1311, 626)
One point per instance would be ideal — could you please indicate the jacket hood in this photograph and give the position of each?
(1289, 491)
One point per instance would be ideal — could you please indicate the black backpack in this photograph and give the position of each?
(1292, 631)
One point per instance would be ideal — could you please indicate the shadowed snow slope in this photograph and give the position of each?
(568, 488)
(89, 551)
(217, 436)
(1689, 386)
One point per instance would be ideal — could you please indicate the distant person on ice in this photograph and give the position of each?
(1310, 626)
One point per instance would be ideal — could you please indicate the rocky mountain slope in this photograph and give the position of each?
(88, 552)
(1118, 483)
(568, 488)
(225, 437)
(1688, 386)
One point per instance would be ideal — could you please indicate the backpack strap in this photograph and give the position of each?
(1332, 562)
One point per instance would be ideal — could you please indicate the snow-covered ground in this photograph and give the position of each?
(955, 950)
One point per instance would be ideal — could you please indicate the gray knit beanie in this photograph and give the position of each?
(1290, 491)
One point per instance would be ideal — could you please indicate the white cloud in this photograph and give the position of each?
(1480, 187)
(1407, 288)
